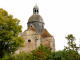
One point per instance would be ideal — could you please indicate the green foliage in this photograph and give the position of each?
(45, 49)
(69, 53)
(58, 55)
(9, 30)
(21, 56)
(71, 43)
(9, 42)
(64, 55)
(41, 53)
(38, 55)
(44, 53)
(72, 55)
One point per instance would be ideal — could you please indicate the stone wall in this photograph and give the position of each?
(49, 42)
(32, 41)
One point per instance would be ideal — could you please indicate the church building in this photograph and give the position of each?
(36, 34)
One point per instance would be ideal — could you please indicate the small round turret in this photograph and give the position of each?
(35, 10)
(36, 20)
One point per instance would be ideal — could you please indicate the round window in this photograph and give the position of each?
(29, 40)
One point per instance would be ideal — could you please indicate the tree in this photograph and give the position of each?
(58, 55)
(41, 53)
(69, 53)
(38, 55)
(45, 49)
(9, 30)
(21, 56)
(64, 55)
(72, 48)
(71, 43)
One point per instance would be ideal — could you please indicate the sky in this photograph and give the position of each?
(61, 17)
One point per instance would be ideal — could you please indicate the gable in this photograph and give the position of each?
(46, 34)
(29, 32)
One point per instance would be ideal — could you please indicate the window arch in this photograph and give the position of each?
(47, 44)
(35, 10)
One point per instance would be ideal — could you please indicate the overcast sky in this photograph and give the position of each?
(61, 17)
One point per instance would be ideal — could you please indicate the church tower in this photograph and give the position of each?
(36, 20)
(35, 34)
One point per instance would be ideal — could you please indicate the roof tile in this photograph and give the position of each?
(46, 34)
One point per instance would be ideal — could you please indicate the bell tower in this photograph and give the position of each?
(35, 10)
(36, 20)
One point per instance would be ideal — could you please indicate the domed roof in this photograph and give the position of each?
(36, 7)
(36, 17)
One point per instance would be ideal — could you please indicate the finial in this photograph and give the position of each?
(36, 3)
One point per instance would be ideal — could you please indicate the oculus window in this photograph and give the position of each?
(29, 40)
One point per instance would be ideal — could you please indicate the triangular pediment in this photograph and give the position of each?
(30, 31)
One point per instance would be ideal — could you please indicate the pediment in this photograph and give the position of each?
(29, 32)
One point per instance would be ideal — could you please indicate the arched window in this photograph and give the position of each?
(35, 10)
(47, 44)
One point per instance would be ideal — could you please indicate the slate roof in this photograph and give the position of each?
(46, 34)
(36, 17)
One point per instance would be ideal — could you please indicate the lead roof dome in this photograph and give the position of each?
(35, 16)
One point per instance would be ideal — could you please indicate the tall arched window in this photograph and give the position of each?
(47, 44)
(35, 10)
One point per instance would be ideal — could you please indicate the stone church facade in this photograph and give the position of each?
(35, 34)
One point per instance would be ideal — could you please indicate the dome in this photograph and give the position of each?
(35, 7)
(36, 17)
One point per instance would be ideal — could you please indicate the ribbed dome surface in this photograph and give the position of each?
(36, 17)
